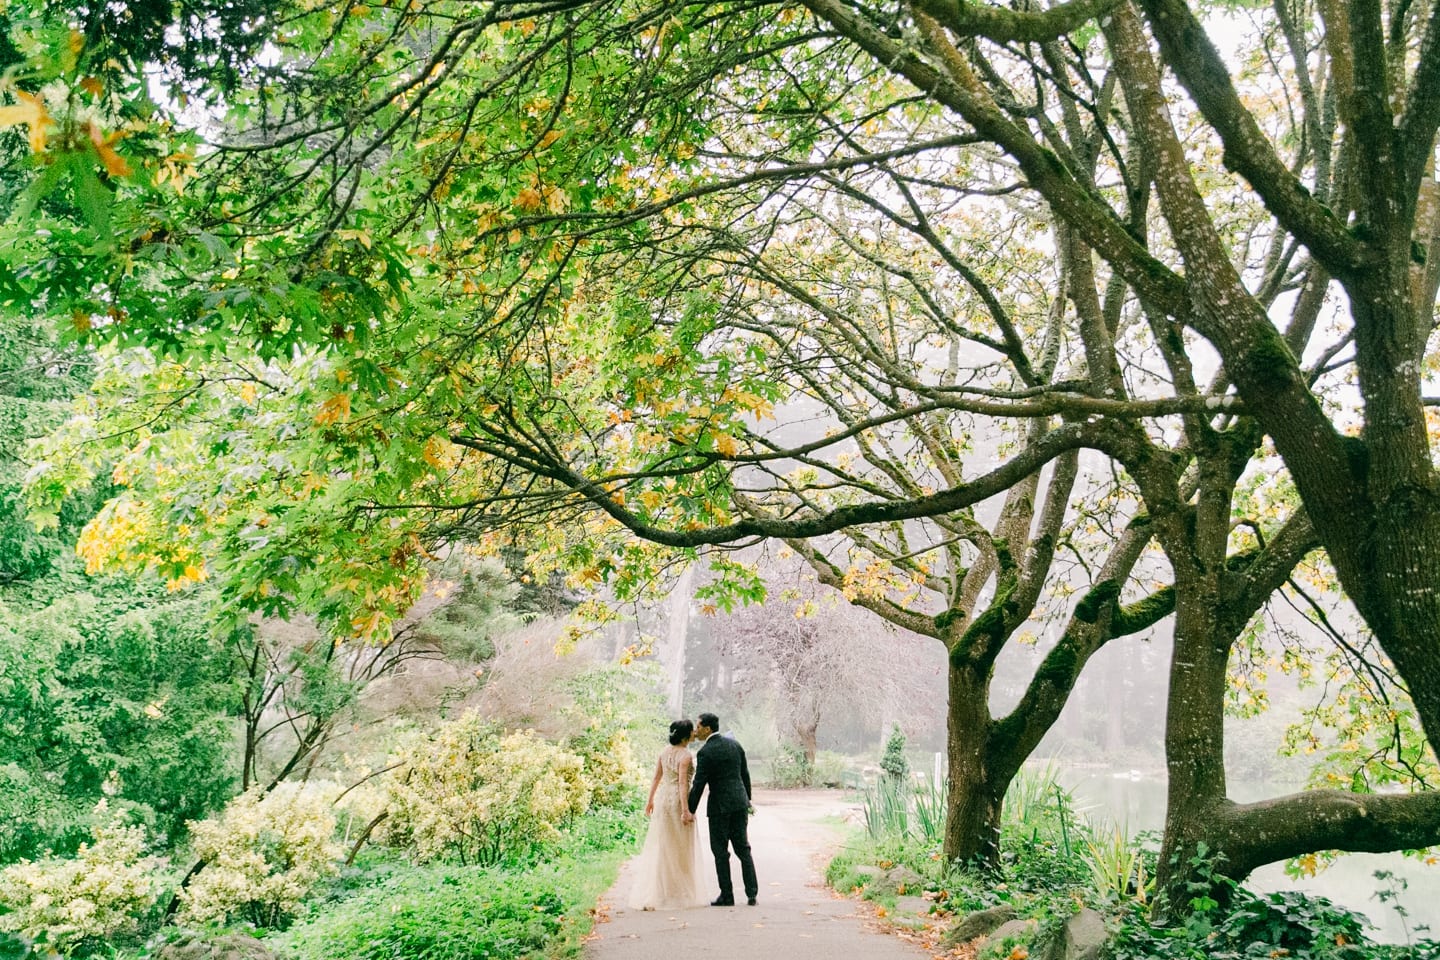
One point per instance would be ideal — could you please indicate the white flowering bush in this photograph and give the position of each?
(100, 893)
(483, 797)
(262, 855)
(609, 762)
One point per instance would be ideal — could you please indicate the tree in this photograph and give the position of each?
(811, 653)
(112, 692)
(896, 767)
(596, 339)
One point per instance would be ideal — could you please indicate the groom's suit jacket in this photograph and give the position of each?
(721, 766)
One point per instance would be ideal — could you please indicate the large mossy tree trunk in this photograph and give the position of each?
(1210, 841)
(986, 753)
(976, 789)
(1194, 743)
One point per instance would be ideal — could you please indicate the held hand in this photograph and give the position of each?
(687, 817)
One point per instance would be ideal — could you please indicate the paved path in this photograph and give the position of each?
(797, 918)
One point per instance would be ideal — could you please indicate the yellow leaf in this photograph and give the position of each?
(439, 453)
(726, 445)
(332, 410)
(114, 164)
(360, 236)
(30, 111)
(529, 199)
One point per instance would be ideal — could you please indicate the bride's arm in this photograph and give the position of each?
(687, 767)
(654, 785)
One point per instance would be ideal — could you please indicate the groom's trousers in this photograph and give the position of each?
(732, 830)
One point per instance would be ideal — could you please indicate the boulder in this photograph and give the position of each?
(1021, 930)
(1085, 936)
(896, 881)
(231, 946)
(978, 924)
(916, 905)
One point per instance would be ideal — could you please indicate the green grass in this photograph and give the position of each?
(460, 913)
(392, 910)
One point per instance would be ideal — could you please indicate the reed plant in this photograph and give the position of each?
(887, 810)
(1116, 864)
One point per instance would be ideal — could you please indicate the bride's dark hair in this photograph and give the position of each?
(680, 731)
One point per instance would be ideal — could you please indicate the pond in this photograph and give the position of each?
(1137, 803)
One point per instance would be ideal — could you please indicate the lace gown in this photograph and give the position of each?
(668, 872)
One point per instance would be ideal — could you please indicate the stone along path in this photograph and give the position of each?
(797, 917)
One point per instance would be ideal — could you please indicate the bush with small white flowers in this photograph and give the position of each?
(262, 855)
(100, 893)
(483, 797)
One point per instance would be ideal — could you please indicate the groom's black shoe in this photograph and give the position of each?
(751, 901)
(723, 901)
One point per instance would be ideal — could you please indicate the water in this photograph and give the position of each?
(1138, 805)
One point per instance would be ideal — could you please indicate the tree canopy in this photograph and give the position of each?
(378, 280)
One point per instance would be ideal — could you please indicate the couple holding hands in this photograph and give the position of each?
(668, 870)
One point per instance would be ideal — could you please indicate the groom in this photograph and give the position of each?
(720, 765)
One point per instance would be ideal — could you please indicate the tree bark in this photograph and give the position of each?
(1194, 742)
(976, 791)
(809, 739)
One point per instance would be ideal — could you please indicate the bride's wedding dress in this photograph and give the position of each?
(669, 869)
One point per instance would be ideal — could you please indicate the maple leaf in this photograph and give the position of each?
(114, 164)
(29, 111)
(334, 409)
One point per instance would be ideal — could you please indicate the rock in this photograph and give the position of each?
(979, 923)
(904, 880)
(233, 946)
(897, 881)
(917, 905)
(1085, 936)
(1019, 930)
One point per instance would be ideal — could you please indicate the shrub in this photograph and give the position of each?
(68, 904)
(119, 694)
(1289, 924)
(609, 762)
(485, 798)
(262, 855)
(894, 762)
(446, 913)
(791, 768)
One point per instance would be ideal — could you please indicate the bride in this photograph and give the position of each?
(668, 870)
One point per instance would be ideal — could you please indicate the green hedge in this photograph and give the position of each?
(457, 913)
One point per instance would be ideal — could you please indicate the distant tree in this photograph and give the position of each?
(894, 762)
(812, 654)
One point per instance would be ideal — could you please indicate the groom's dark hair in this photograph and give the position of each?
(709, 720)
